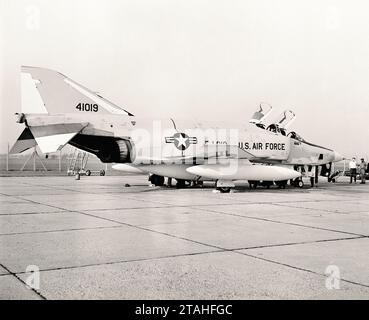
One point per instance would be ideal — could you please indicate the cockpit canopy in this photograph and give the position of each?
(276, 129)
(260, 115)
(279, 126)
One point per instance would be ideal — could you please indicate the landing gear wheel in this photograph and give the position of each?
(157, 180)
(88, 173)
(300, 184)
(224, 189)
(102, 172)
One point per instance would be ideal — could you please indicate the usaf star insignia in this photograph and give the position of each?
(181, 140)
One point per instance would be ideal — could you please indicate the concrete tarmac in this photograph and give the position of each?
(97, 239)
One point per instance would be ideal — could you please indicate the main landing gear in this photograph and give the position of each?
(298, 183)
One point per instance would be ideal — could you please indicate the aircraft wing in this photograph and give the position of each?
(51, 138)
(205, 152)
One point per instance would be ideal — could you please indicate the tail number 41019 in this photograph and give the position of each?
(87, 107)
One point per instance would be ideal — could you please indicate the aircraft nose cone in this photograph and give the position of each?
(337, 157)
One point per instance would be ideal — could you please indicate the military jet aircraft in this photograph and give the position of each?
(61, 111)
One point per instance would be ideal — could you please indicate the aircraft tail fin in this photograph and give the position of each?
(46, 91)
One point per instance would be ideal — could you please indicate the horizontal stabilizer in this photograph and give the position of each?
(51, 138)
(25, 141)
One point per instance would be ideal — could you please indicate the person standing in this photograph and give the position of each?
(311, 174)
(362, 167)
(353, 166)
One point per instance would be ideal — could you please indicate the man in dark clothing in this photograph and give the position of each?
(362, 167)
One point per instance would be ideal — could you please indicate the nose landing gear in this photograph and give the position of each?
(298, 183)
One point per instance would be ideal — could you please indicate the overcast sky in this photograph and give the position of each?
(214, 59)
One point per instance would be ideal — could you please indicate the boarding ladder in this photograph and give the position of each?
(77, 162)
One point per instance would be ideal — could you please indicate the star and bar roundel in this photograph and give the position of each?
(181, 140)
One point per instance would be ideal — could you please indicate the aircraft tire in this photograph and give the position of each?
(300, 184)
(88, 173)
